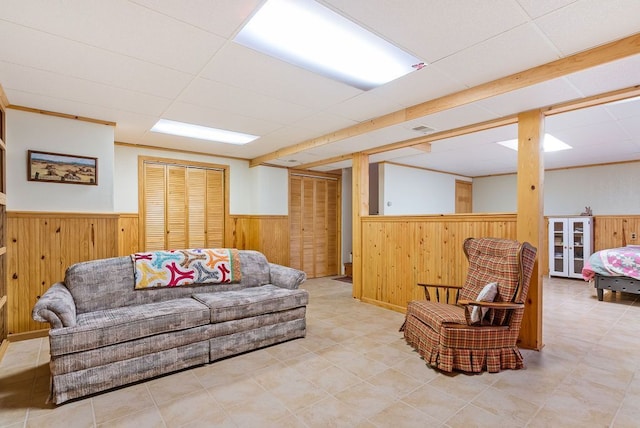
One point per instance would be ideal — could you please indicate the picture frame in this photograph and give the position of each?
(61, 168)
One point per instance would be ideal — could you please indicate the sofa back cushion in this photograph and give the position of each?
(109, 283)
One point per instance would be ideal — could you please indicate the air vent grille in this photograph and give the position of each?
(423, 129)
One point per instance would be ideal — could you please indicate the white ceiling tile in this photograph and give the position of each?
(624, 110)
(434, 29)
(592, 135)
(219, 118)
(119, 26)
(587, 23)
(58, 55)
(324, 123)
(537, 8)
(366, 106)
(454, 118)
(238, 100)
(620, 74)
(510, 52)
(53, 85)
(576, 119)
(531, 97)
(239, 66)
(221, 17)
(419, 86)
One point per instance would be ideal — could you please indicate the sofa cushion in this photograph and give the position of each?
(101, 328)
(237, 304)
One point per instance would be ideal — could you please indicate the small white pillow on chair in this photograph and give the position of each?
(488, 294)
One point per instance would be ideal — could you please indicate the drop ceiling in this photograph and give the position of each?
(134, 62)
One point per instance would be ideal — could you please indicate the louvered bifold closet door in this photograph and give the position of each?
(154, 207)
(313, 225)
(320, 228)
(182, 206)
(196, 193)
(295, 222)
(176, 207)
(215, 212)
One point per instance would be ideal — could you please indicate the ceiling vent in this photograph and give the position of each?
(423, 129)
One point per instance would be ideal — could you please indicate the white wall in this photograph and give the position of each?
(406, 190)
(259, 190)
(607, 189)
(33, 131)
(495, 194)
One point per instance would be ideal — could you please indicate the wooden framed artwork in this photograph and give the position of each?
(60, 168)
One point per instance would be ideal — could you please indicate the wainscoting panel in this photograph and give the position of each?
(128, 234)
(615, 231)
(40, 247)
(267, 234)
(399, 252)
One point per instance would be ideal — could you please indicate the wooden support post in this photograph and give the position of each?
(530, 216)
(360, 204)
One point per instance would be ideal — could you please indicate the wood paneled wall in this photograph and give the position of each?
(128, 234)
(40, 248)
(400, 251)
(267, 234)
(615, 231)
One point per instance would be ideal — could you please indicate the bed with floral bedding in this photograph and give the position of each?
(614, 269)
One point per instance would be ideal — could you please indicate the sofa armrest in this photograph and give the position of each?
(56, 306)
(286, 277)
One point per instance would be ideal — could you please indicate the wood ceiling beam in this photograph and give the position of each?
(578, 62)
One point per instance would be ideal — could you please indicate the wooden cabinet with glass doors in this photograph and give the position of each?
(570, 245)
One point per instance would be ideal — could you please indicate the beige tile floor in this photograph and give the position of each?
(354, 370)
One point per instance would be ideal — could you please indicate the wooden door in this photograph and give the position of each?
(313, 224)
(464, 200)
(182, 205)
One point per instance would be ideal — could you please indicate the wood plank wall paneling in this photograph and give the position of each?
(267, 234)
(128, 234)
(399, 252)
(40, 248)
(615, 231)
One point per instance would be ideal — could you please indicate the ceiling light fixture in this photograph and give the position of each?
(311, 36)
(550, 144)
(201, 132)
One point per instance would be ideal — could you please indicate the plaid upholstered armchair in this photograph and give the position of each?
(478, 332)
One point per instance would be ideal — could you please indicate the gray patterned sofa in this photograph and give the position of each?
(104, 333)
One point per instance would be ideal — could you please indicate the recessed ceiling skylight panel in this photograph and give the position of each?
(309, 35)
(550, 144)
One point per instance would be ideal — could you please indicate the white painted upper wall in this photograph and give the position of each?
(607, 189)
(408, 190)
(260, 190)
(33, 131)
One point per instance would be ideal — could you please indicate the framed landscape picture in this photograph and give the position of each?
(59, 168)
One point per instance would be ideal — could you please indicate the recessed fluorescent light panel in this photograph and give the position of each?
(311, 36)
(550, 144)
(201, 132)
